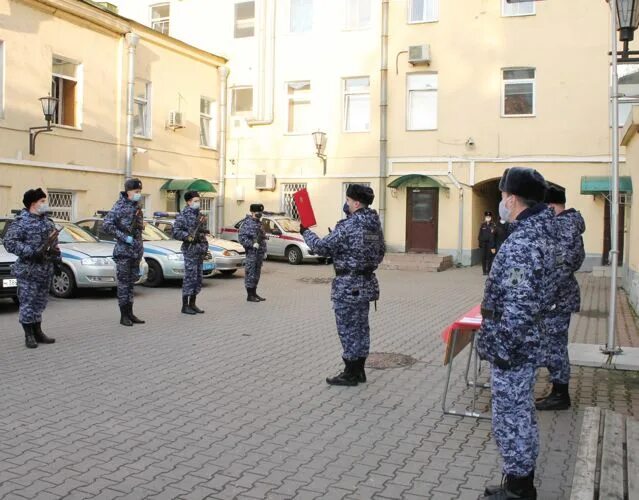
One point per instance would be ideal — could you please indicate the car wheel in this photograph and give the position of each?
(155, 277)
(294, 255)
(63, 286)
(228, 272)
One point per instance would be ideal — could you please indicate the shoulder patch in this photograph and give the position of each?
(515, 275)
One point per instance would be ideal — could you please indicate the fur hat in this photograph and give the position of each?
(257, 207)
(488, 213)
(524, 182)
(361, 193)
(189, 195)
(32, 196)
(555, 194)
(131, 184)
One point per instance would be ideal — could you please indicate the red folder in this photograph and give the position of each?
(304, 208)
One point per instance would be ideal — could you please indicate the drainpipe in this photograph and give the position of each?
(223, 73)
(266, 62)
(460, 189)
(383, 114)
(132, 41)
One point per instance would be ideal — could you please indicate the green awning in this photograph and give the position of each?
(201, 185)
(597, 185)
(417, 180)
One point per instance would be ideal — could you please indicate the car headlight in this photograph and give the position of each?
(176, 256)
(96, 261)
(229, 253)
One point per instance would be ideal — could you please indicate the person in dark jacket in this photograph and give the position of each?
(33, 237)
(501, 233)
(125, 222)
(253, 238)
(190, 227)
(487, 242)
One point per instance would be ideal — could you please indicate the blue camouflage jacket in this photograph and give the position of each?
(520, 290)
(569, 226)
(357, 248)
(26, 235)
(185, 225)
(252, 232)
(125, 219)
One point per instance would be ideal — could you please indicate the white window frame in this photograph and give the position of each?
(409, 96)
(71, 211)
(348, 93)
(211, 116)
(243, 23)
(160, 20)
(77, 108)
(306, 97)
(290, 17)
(2, 73)
(518, 81)
(433, 19)
(626, 102)
(516, 6)
(234, 90)
(147, 114)
(350, 6)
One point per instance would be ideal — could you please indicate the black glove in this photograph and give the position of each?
(204, 231)
(303, 229)
(500, 363)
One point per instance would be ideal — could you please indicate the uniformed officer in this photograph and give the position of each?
(33, 237)
(357, 248)
(570, 226)
(125, 221)
(190, 227)
(487, 242)
(253, 238)
(519, 291)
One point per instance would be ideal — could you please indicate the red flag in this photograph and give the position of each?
(304, 208)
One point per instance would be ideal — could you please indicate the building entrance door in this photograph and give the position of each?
(421, 219)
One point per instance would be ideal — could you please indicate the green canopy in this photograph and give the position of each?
(417, 180)
(201, 185)
(596, 185)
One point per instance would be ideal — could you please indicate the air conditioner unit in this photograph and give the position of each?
(265, 182)
(175, 120)
(419, 54)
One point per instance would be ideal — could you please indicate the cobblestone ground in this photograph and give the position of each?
(233, 403)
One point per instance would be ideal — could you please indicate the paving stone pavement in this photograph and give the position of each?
(233, 403)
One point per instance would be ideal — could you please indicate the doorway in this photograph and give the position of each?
(422, 206)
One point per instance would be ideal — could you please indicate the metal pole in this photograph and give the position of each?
(223, 73)
(611, 348)
(383, 114)
(132, 41)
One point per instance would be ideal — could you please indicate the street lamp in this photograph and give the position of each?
(319, 138)
(49, 105)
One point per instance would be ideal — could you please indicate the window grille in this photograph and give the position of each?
(61, 204)
(288, 206)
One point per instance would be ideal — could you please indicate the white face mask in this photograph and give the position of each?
(504, 212)
(136, 197)
(488, 219)
(195, 205)
(43, 209)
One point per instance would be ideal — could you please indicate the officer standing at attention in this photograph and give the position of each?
(190, 227)
(487, 242)
(125, 221)
(570, 226)
(519, 292)
(253, 238)
(357, 248)
(33, 237)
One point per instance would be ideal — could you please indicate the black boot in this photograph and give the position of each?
(251, 296)
(193, 306)
(39, 335)
(29, 339)
(261, 299)
(133, 317)
(361, 374)
(558, 399)
(124, 316)
(348, 376)
(186, 308)
(513, 488)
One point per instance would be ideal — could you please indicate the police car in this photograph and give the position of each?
(229, 256)
(162, 254)
(8, 281)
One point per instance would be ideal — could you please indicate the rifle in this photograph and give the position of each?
(137, 222)
(191, 237)
(49, 251)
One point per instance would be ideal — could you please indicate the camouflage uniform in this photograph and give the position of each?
(185, 225)
(519, 291)
(252, 232)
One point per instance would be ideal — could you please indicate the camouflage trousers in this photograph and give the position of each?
(253, 269)
(556, 344)
(353, 328)
(127, 272)
(192, 283)
(514, 418)
(33, 294)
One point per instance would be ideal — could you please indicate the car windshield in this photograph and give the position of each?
(289, 225)
(71, 233)
(152, 233)
(3, 228)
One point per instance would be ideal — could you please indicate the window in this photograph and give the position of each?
(299, 107)
(244, 19)
(301, 16)
(208, 123)
(357, 104)
(628, 90)
(1, 79)
(242, 100)
(160, 14)
(287, 204)
(64, 86)
(518, 92)
(520, 8)
(423, 11)
(358, 14)
(422, 101)
(141, 108)
(61, 204)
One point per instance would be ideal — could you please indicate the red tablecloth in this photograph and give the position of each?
(471, 320)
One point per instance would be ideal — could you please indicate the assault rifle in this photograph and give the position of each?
(198, 229)
(49, 251)
(137, 222)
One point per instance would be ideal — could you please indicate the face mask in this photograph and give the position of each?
(136, 197)
(346, 210)
(487, 219)
(195, 205)
(43, 209)
(504, 212)
(258, 215)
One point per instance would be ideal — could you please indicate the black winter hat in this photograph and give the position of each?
(131, 184)
(32, 196)
(524, 182)
(555, 194)
(257, 207)
(361, 193)
(488, 213)
(189, 195)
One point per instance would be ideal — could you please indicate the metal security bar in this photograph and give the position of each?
(61, 204)
(287, 205)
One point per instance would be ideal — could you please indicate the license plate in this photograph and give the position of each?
(9, 283)
(207, 266)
